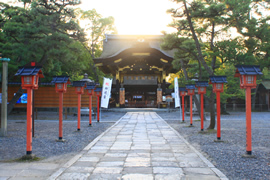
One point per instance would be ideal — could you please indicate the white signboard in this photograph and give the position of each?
(106, 92)
(176, 93)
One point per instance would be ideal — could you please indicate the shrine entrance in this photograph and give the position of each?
(139, 68)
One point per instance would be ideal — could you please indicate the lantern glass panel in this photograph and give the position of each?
(78, 89)
(59, 86)
(218, 86)
(249, 79)
(27, 80)
(191, 90)
(202, 89)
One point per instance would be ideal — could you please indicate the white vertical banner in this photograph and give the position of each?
(176, 93)
(106, 92)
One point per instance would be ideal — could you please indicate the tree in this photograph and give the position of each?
(44, 33)
(95, 27)
(203, 36)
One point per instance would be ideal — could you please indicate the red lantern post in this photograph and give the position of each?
(61, 87)
(98, 94)
(248, 75)
(191, 91)
(183, 93)
(90, 92)
(201, 86)
(29, 77)
(218, 84)
(79, 89)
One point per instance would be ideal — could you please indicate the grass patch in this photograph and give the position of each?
(28, 158)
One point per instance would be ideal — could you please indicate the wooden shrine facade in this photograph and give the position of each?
(139, 67)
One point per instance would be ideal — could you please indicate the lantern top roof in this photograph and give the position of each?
(247, 70)
(182, 89)
(79, 83)
(61, 79)
(201, 83)
(217, 79)
(90, 87)
(190, 86)
(30, 71)
(98, 89)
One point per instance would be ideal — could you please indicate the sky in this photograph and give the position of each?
(135, 17)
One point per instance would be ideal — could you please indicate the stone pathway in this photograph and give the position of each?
(141, 145)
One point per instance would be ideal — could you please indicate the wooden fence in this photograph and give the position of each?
(47, 97)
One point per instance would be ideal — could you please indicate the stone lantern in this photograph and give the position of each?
(98, 92)
(218, 85)
(190, 91)
(79, 89)
(201, 86)
(61, 87)
(248, 75)
(183, 93)
(90, 91)
(29, 78)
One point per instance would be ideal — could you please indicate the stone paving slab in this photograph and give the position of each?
(141, 145)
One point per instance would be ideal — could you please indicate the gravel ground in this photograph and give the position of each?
(227, 155)
(46, 132)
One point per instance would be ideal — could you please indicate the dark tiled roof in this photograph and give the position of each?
(182, 89)
(98, 89)
(28, 71)
(61, 79)
(90, 87)
(201, 83)
(190, 86)
(217, 79)
(248, 69)
(79, 83)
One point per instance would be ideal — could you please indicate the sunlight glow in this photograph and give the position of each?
(134, 17)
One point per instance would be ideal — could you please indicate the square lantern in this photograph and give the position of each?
(191, 89)
(183, 91)
(248, 75)
(30, 76)
(98, 91)
(61, 83)
(218, 83)
(201, 86)
(90, 88)
(79, 86)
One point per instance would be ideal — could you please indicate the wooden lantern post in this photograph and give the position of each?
(191, 91)
(218, 87)
(98, 94)
(183, 93)
(201, 86)
(29, 78)
(79, 89)
(61, 87)
(90, 91)
(248, 75)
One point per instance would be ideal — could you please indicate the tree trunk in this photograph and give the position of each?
(212, 111)
(13, 101)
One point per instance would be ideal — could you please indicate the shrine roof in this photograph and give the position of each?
(202, 83)
(29, 71)
(248, 70)
(124, 42)
(217, 79)
(61, 79)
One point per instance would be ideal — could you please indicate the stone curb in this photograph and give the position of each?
(78, 156)
(206, 161)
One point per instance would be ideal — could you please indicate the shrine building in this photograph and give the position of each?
(139, 67)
